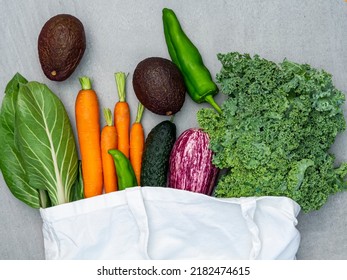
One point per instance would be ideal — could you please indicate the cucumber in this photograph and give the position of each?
(156, 154)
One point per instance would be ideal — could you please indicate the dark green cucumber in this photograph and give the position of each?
(156, 154)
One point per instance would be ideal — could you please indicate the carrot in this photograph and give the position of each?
(108, 142)
(88, 132)
(137, 143)
(122, 116)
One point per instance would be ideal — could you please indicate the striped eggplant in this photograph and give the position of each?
(191, 165)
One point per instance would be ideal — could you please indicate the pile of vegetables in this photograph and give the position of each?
(40, 163)
(275, 130)
(271, 136)
(39, 159)
(97, 145)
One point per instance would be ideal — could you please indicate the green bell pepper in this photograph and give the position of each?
(187, 58)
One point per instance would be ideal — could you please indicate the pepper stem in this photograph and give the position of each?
(209, 99)
(120, 81)
(85, 82)
(108, 116)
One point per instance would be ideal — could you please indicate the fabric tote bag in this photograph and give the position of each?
(165, 224)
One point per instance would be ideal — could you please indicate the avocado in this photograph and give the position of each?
(61, 45)
(159, 85)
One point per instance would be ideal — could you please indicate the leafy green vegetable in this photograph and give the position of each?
(11, 159)
(275, 131)
(39, 158)
(77, 191)
(46, 141)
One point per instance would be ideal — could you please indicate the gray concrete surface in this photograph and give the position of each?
(122, 33)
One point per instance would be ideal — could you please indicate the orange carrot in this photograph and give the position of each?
(122, 116)
(108, 142)
(137, 143)
(88, 131)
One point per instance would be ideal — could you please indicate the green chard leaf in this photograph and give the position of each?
(46, 141)
(11, 162)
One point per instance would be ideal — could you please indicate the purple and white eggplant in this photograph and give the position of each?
(191, 165)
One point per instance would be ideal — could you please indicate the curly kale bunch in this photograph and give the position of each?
(275, 130)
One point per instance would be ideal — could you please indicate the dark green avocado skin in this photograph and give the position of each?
(159, 85)
(156, 155)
